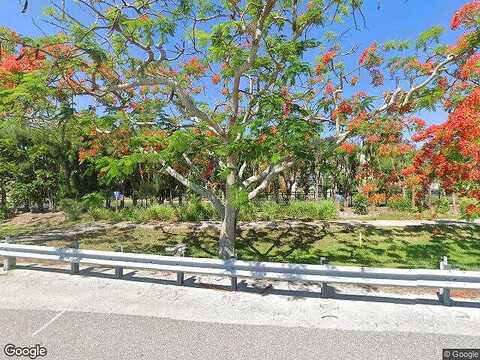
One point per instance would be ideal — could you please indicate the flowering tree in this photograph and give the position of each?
(239, 102)
(451, 150)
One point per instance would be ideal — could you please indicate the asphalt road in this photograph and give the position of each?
(75, 335)
(93, 316)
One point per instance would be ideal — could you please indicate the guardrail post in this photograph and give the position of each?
(9, 262)
(325, 289)
(444, 293)
(118, 272)
(74, 265)
(180, 278)
(119, 269)
(234, 283)
(233, 279)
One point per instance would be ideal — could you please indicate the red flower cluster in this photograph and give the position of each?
(319, 69)
(452, 149)
(216, 79)
(471, 68)
(368, 188)
(358, 121)
(472, 210)
(373, 139)
(367, 53)
(466, 15)
(329, 88)
(328, 56)
(194, 67)
(28, 60)
(348, 148)
(345, 108)
(425, 68)
(418, 122)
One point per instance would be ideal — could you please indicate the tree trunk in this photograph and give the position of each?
(317, 186)
(170, 195)
(3, 197)
(229, 220)
(228, 233)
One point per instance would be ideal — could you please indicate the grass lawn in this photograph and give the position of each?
(411, 247)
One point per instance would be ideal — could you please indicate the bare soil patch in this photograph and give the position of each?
(35, 219)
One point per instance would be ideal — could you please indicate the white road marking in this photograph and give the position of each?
(49, 323)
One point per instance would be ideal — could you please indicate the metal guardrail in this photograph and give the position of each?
(443, 279)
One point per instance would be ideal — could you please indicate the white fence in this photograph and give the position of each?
(323, 274)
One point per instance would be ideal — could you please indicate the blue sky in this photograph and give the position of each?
(396, 19)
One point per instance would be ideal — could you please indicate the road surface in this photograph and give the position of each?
(146, 317)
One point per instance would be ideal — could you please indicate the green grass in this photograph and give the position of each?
(411, 247)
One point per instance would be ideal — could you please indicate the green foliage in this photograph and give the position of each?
(403, 204)
(72, 208)
(360, 204)
(311, 210)
(429, 37)
(100, 214)
(5, 213)
(93, 200)
(442, 205)
(196, 210)
(296, 210)
(260, 210)
(399, 45)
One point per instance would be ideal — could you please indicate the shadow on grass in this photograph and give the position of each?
(358, 245)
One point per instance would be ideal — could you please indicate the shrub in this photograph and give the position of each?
(442, 205)
(469, 209)
(100, 214)
(196, 210)
(248, 211)
(311, 210)
(72, 208)
(401, 203)
(155, 212)
(5, 213)
(268, 210)
(93, 200)
(360, 204)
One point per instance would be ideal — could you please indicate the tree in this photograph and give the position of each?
(243, 103)
(451, 151)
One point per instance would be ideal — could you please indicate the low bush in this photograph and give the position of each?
(156, 212)
(5, 213)
(196, 210)
(267, 210)
(93, 200)
(296, 210)
(72, 208)
(311, 210)
(360, 204)
(401, 203)
(469, 209)
(100, 214)
(442, 205)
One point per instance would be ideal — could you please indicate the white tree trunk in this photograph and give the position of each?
(228, 230)
(228, 234)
